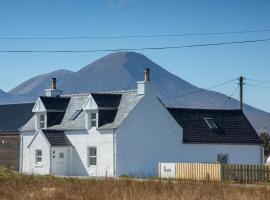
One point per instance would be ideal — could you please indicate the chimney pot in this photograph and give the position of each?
(54, 83)
(147, 74)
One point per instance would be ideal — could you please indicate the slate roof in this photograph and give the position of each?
(233, 126)
(57, 137)
(14, 116)
(55, 103)
(107, 100)
(108, 119)
(54, 118)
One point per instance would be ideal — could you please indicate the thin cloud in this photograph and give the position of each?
(119, 3)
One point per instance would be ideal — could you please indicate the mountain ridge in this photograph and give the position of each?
(121, 71)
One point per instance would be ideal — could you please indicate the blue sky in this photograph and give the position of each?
(203, 67)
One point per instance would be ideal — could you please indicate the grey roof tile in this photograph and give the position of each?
(233, 126)
(114, 117)
(14, 116)
(57, 137)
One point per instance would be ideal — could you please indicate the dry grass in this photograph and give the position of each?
(14, 186)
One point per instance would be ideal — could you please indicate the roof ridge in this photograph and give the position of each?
(102, 92)
(204, 109)
(13, 104)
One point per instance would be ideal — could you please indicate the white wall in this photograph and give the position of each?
(26, 138)
(29, 164)
(81, 140)
(150, 135)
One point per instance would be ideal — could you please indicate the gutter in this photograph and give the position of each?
(114, 153)
(21, 154)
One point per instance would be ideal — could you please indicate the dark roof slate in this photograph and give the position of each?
(233, 126)
(54, 118)
(14, 116)
(55, 103)
(107, 100)
(57, 137)
(106, 117)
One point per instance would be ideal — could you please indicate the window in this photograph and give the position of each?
(42, 121)
(223, 158)
(61, 155)
(75, 115)
(93, 119)
(92, 156)
(211, 123)
(38, 156)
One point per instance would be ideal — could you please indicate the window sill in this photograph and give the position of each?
(38, 165)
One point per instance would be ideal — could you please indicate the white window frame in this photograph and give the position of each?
(222, 155)
(207, 119)
(92, 120)
(43, 122)
(89, 156)
(38, 156)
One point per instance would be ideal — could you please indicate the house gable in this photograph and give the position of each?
(151, 135)
(37, 136)
(90, 104)
(39, 106)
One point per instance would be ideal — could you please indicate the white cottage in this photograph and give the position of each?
(128, 133)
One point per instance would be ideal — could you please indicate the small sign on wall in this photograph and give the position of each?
(167, 170)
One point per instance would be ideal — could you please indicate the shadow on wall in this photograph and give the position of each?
(78, 168)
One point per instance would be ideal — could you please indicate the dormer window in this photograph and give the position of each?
(42, 121)
(211, 123)
(93, 120)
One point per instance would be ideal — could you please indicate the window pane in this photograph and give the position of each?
(39, 153)
(42, 124)
(211, 123)
(61, 155)
(93, 116)
(93, 161)
(39, 159)
(42, 118)
(38, 156)
(94, 124)
(223, 159)
(93, 151)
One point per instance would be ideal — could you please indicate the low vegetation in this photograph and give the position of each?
(16, 186)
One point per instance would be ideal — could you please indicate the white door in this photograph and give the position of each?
(60, 161)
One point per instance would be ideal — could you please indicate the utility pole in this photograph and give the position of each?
(241, 84)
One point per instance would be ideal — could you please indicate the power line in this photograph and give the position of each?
(135, 36)
(258, 86)
(230, 97)
(136, 49)
(200, 90)
(258, 81)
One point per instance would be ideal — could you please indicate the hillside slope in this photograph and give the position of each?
(122, 70)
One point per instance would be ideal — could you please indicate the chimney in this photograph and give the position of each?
(53, 92)
(54, 83)
(146, 87)
(147, 74)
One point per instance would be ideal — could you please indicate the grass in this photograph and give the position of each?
(17, 186)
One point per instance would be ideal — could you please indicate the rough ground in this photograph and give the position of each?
(15, 186)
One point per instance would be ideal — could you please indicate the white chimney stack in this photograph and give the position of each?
(146, 87)
(53, 92)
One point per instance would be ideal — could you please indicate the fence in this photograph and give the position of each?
(214, 172)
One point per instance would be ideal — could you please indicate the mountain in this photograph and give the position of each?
(122, 70)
